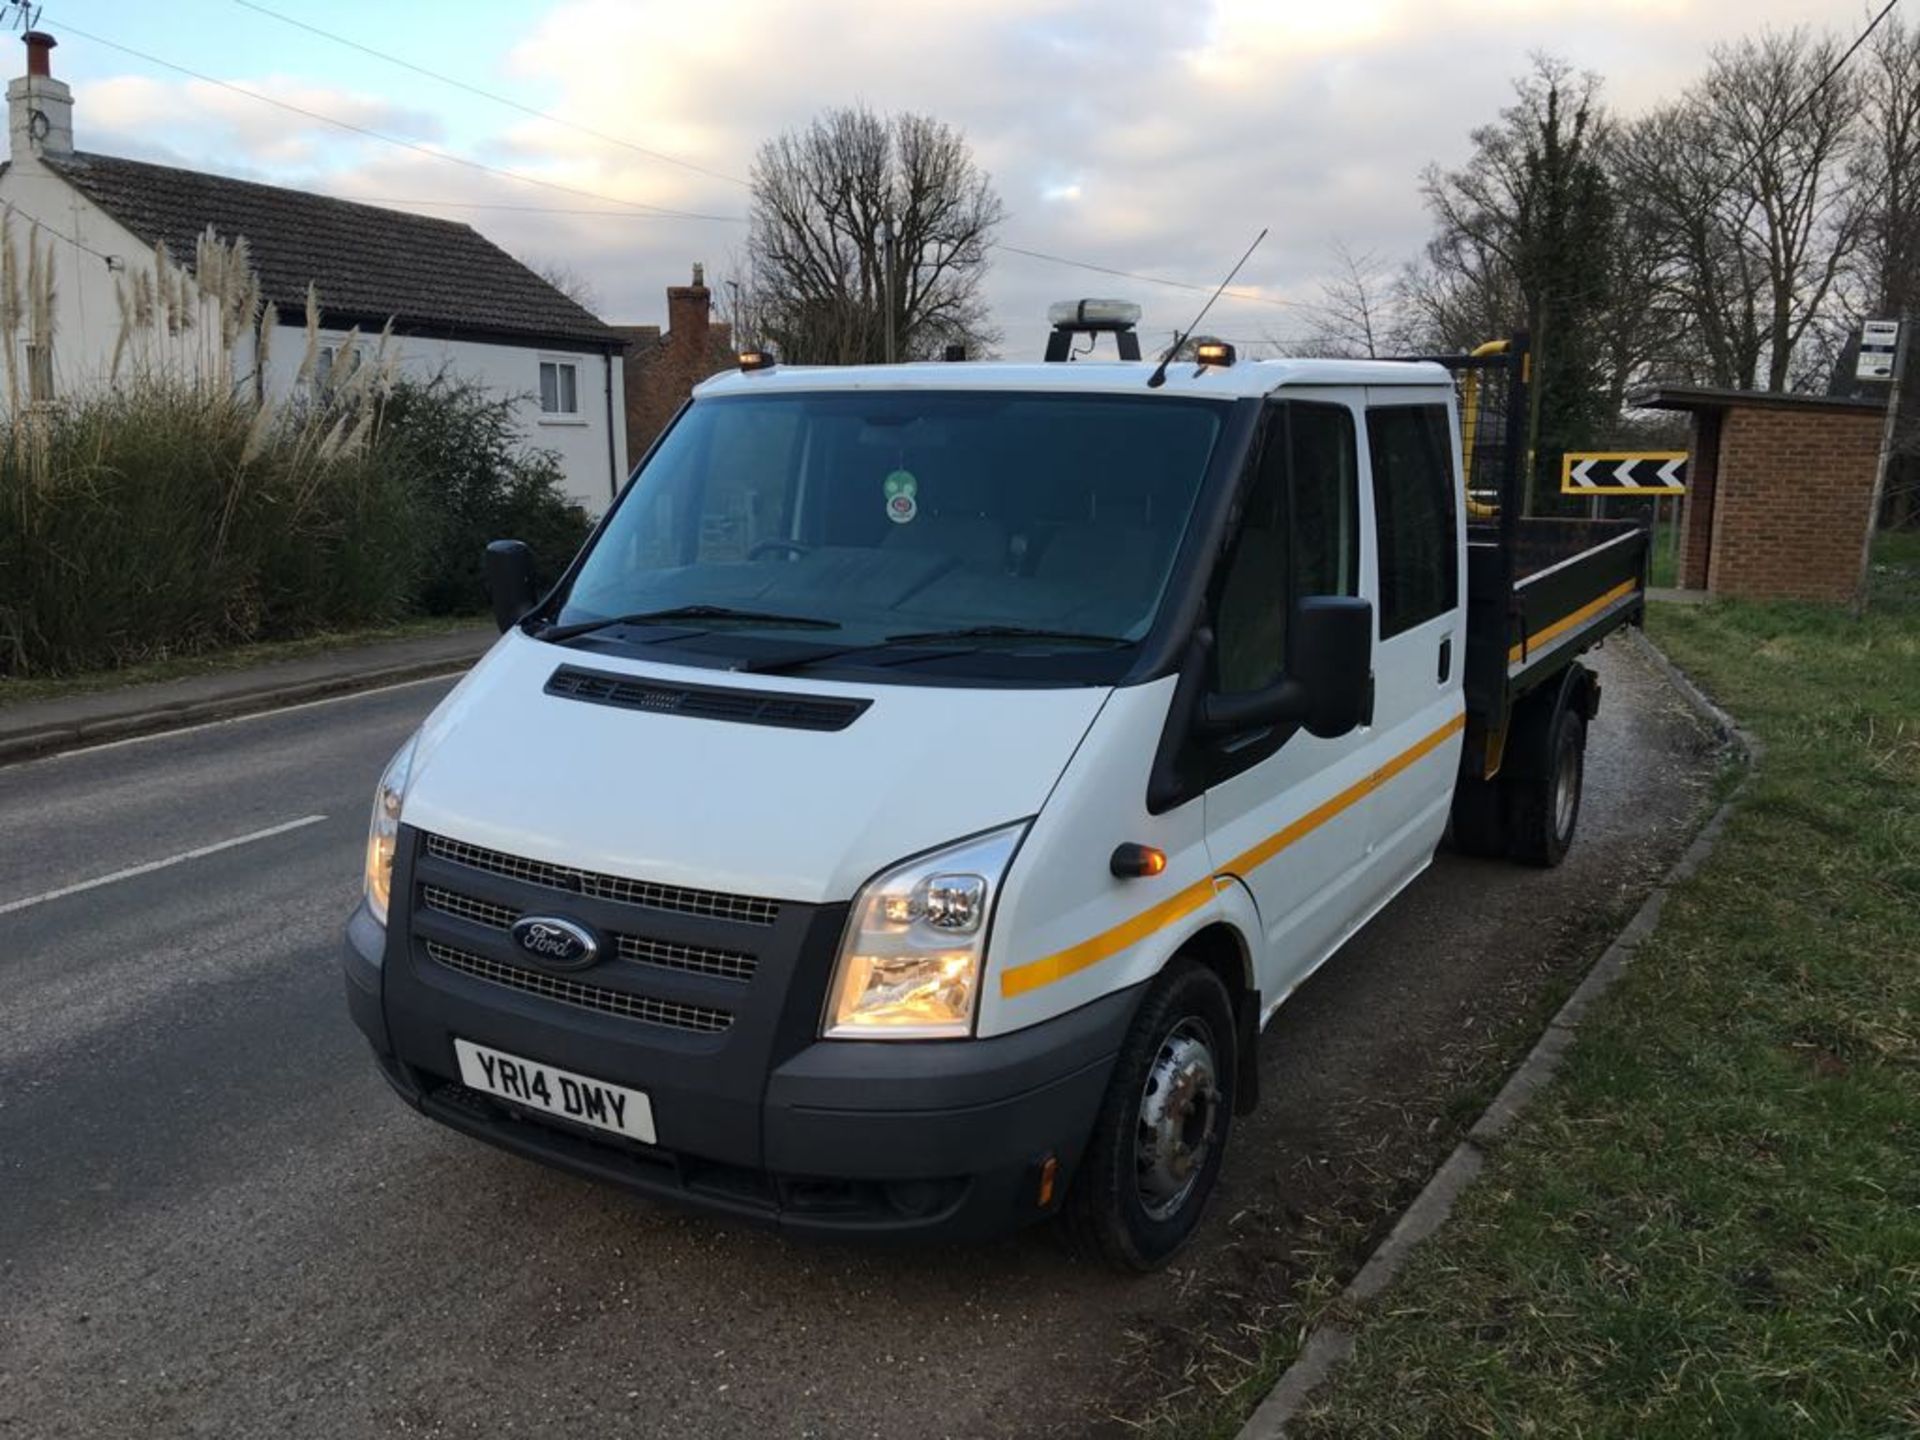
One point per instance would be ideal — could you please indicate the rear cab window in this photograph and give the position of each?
(1413, 505)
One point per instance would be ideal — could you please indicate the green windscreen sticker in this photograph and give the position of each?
(903, 496)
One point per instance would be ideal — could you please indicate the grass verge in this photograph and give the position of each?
(15, 691)
(1710, 1223)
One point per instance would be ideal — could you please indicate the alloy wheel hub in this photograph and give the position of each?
(1179, 1108)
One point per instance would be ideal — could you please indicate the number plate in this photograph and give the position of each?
(579, 1098)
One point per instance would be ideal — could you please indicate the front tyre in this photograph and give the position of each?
(1158, 1141)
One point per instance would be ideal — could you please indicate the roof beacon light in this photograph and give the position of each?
(756, 360)
(1214, 352)
(1093, 318)
(1094, 314)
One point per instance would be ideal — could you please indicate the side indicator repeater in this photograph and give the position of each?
(1049, 1173)
(1136, 862)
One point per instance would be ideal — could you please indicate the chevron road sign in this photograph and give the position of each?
(1616, 472)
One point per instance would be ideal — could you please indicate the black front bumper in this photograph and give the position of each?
(916, 1139)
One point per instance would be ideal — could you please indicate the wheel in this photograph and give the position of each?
(784, 547)
(1155, 1152)
(1543, 812)
(1479, 819)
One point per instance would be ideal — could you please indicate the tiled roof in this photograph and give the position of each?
(428, 275)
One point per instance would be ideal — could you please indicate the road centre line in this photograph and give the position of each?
(152, 865)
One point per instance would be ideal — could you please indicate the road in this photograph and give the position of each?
(217, 1220)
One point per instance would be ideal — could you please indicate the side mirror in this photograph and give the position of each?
(1328, 687)
(1333, 658)
(509, 572)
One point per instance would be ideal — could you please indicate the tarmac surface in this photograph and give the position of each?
(218, 1220)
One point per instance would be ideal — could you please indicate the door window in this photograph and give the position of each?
(1413, 514)
(1298, 536)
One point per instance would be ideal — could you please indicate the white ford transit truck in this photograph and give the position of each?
(903, 815)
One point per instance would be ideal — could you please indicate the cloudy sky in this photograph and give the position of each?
(1149, 137)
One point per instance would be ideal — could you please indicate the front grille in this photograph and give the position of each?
(701, 1019)
(745, 909)
(465, 907)
(707, 702)
(669, 955)
(701, 960)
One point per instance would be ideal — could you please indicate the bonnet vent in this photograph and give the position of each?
(706, 702)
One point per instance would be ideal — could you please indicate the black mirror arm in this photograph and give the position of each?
(1285, 702)
(509, 575)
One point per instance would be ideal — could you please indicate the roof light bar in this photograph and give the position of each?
(1094, 315)
(1215, 352)
(756, 360)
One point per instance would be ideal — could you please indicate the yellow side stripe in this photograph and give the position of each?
(1024, 978)
(1567, 622)
(1062, 963)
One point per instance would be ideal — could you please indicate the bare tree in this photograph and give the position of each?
(1887, 273)
(1779, 124)
(1357, 314)
(1888, 177)
(1532, 211)
(569, 282)
(1672, 175)
(865, 230)
(1458, 295)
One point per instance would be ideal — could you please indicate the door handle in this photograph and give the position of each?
(1446, 659)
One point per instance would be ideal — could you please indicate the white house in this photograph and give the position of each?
(457, 302)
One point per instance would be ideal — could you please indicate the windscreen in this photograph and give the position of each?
(893, 512)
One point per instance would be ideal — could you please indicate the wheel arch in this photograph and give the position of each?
(1576, 688)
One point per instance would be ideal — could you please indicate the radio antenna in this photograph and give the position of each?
(1159, 376)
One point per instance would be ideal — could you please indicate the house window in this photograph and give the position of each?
(559, 388)
(39, 373)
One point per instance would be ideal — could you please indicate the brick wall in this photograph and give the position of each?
(1791, 492)
(662, 369)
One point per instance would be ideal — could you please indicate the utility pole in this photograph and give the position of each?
(1889, 439)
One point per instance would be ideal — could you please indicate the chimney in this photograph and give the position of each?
(39, 107)
(689, 310)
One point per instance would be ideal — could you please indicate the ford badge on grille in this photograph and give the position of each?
(555, 943)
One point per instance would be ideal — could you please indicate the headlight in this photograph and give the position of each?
(910, 964)
(384, 832)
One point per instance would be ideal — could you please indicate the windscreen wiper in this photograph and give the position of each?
(559, 633)
(1007, 632)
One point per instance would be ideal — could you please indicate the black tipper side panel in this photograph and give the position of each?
(706, 702)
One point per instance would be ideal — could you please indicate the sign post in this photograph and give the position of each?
(1892, 337)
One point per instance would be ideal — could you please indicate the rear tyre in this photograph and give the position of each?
(1543, 812)
(1479, 819)
(1154, 1156)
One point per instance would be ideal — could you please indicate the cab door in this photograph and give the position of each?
(1285, 811)
(1420, 626)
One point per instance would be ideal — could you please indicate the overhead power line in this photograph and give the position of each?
(495, 97)
(1827, 79)
(629, 209)
(1154, 279)
(386, 139)
(602, 135)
